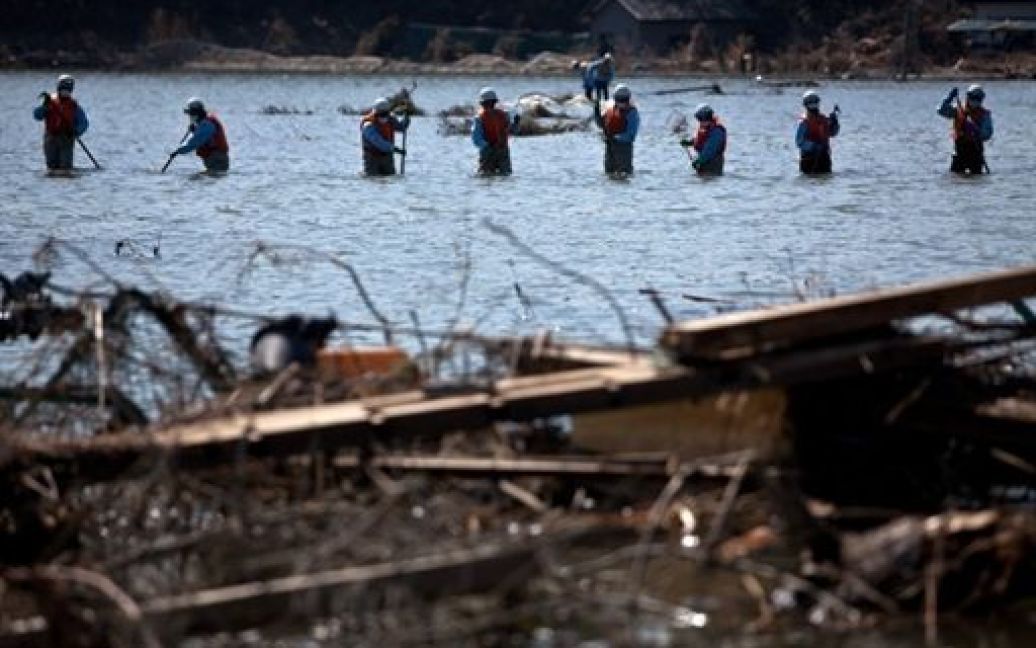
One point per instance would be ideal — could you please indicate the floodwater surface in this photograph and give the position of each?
(762, 233)
(891, 213)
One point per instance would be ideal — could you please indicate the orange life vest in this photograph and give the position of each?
(966, 122)
(218, 142)
(614, 121)
(61, 116)
(704, 130)
(818, 128)
(385, 128)
(495, 126)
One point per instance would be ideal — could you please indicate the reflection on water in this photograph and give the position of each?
(890, 214)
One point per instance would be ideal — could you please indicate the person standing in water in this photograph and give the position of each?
(620, 123)
(489, 134)
(64, 120)
(208, 137)
(972, 127)
(813, 136)
(601, 72)
(378, 132)
(710, 142)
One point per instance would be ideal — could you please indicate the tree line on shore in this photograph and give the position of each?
(301, 27)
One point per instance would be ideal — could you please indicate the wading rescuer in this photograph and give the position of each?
(64, 120)
(208, 137)
(378, 132)
(620, 123)
(710, 142)
(972, 127)
(813, 135)
(489, 134)
(601, 72)
(583, 68)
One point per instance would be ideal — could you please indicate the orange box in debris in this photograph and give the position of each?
(354, 362)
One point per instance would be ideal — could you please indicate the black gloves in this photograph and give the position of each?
(399, 150)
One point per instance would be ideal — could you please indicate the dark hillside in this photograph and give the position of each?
(95, 32)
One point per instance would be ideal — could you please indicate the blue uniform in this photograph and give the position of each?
(629, 135)
(807, 145)
(601, 74)
(58, 143)
(972, 128)
(714, 145)
(478, 133)
(948, 110)
(372, 137)
(79, 124)
(203, 132)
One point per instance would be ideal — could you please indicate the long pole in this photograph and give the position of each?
(172, 155)
(89, 154)
(406, 115)
(402, 158)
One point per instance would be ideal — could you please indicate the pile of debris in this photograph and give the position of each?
(402, 102)
(540, 114)
(824, 465)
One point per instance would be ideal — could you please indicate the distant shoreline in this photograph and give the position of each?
(196, 57)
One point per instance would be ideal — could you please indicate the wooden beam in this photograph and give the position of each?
(581, 467)
(748, 333)
(410, 415)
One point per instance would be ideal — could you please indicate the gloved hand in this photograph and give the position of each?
(953, 94)
(686, 142)
(517, 118)
(696, 164)
(398, 150)
(44, 98)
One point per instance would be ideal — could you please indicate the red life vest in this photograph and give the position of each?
(818, 128)
(495, 126)
(217, 143)
(385, 128)
(966, 122)
(614, 121)
(61, 116)
(704, 130)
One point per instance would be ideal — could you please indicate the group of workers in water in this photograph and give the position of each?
(65, 122)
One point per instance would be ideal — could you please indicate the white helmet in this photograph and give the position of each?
(809, 97)
(66, 82)
(194, 107)
(382, 105)
(622, 92)
(486, 94)
(703, 112)
(976, 93)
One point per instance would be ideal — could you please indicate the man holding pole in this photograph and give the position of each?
(378, 133)
(208, 138)
(813, 136)
(64, 121)
(972, 128)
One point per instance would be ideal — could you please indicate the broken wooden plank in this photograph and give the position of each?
(410, 415)
(747, 333)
